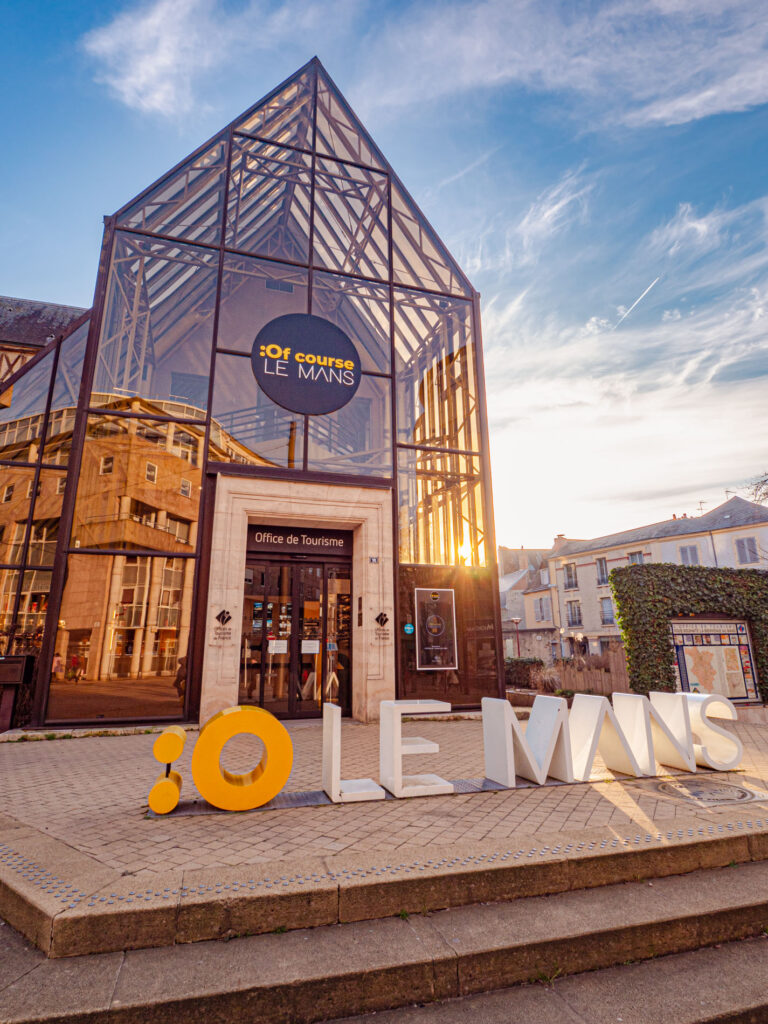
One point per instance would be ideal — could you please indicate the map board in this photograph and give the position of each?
(714, 657)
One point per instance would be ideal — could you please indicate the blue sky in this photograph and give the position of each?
(576, 158)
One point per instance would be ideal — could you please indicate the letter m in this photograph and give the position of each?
(543, 749)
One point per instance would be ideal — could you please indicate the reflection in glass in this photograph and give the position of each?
(310, 639)
(121, 645)
(441, 514)
(187, 203)
(339, 638)
(132, 484)
(66, 389)
(361, 310)
(253, 292)
(351, 220)
(278, 627)
(158, 321)
(9, 582)
(22, 407)
(436, 381)
(247, 427)
(357, 438)
(269, 200)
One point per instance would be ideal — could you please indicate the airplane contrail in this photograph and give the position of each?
(635, 303)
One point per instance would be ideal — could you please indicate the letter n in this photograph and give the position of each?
(543, 749)
(656, 730)
(593, 726)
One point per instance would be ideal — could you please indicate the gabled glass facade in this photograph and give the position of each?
(112, 439)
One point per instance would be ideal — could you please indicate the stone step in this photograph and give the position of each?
(96, 912)
(708, 986)
(336, 971)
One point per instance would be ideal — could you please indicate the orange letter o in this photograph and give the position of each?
(232, 792)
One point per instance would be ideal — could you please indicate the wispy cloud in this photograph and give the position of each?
(640, 63)
(553, 211)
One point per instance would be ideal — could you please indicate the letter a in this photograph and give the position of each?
(593, 726)
(543, 749)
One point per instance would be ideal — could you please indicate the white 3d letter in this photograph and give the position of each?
(338, 789)
(593, 726)
(716, 747)
(656, 730)
(393, 746)
(543, 749)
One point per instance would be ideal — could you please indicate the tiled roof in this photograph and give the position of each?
(27, 322)
(735, 512)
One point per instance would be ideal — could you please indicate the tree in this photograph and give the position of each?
(758, 488)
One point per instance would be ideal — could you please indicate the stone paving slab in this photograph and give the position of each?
(83, 866)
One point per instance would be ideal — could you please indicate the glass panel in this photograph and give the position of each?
(46, 515)
(278, 612)
(310, 639)
(252, 634)
(253, 292)
(435, 365)
(285, 116)
(9, 582)
(361, 310)
(21, 413)
(33, 607)
(339, 133)
(158, 323)
(357, 438)
(15, 494)
(419, 258)
(269, 200)
(339, 638)
(130, 490)
(66, 390)
(121, 645)
(247, 427)
(441, 512)
(351, 220)
(476, 676)
(188, 203)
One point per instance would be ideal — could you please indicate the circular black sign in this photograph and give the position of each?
(305, 364)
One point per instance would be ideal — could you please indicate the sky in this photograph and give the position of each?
(597, 168)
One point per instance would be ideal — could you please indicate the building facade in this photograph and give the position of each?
(256, 471)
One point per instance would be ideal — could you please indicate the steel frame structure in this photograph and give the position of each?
(327, 191)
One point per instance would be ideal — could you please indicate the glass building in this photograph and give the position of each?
(173, 540)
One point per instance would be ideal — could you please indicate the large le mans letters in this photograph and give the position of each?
(632, 736)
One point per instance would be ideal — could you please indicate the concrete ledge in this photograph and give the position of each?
(87, 908)
(333, 971)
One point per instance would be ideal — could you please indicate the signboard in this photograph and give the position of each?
(714, 657)
(277, 647)
(310, 646)
(299, 541)
(306, 364)
(435, 630)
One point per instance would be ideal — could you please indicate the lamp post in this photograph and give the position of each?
(516, 620)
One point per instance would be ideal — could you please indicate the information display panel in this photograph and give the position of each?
(435, 630)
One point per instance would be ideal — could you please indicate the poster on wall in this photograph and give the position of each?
(435, 630)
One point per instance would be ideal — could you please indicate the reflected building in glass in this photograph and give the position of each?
(172, 541)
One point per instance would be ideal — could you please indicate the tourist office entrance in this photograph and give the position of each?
(296, 644)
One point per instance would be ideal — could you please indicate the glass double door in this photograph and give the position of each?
(296, 644)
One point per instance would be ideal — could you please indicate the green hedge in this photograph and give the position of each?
(648, 596)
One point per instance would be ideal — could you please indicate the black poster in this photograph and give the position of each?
(435, 630)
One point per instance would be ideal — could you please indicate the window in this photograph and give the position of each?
(105, 467)
(635, 557)
(30, 489)
(8, 493)
(179, 528)
(61, 484)
(746, 550)
(602, 571)
(573, 609)
(571, 581)
(151, 473)
(541, 609)
(186, 488)
(606, 611)
(689, 554)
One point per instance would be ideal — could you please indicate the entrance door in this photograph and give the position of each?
(296, 645)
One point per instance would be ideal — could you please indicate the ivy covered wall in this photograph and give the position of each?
(648, 596)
